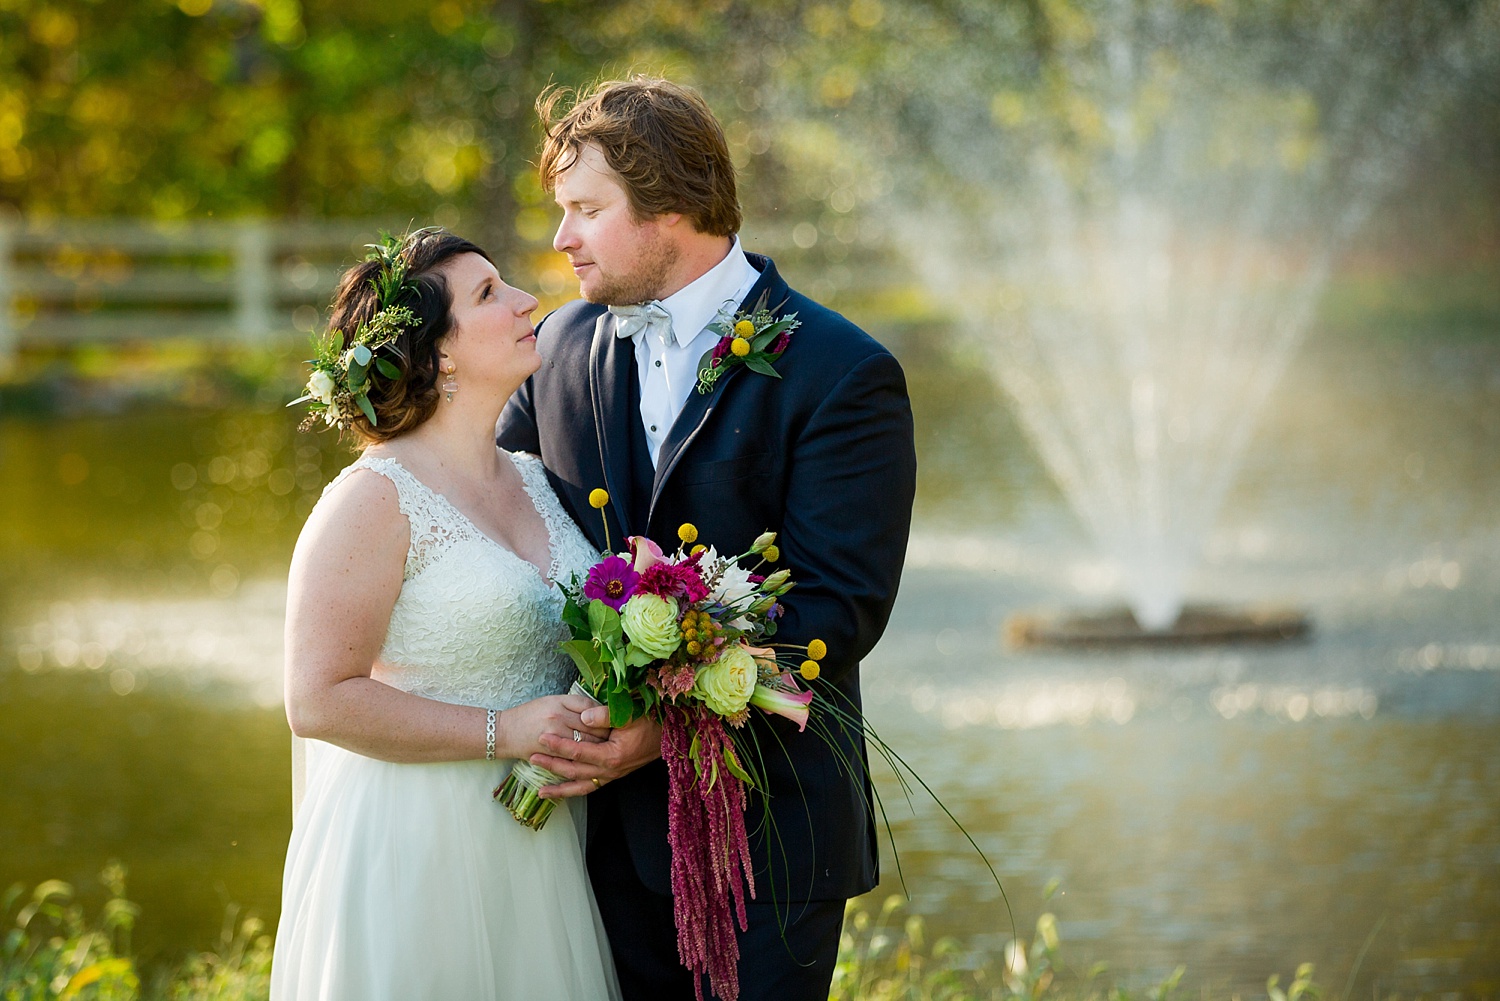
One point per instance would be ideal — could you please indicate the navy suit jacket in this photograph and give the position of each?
(825, 457)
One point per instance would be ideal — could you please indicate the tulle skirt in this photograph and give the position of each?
(407, 882)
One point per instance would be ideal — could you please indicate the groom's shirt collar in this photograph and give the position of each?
(695, 305)
(668, 366)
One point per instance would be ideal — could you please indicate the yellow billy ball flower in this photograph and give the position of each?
(696, 550)
(687, 533)
(817, 649)
(809, 669)
(598, 497)
(744, 329)
(739, 347)
(772, 554)
(694, 648)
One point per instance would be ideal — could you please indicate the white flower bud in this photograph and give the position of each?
(321, 387)
(776, 580)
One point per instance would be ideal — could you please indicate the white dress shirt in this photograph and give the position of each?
(668, 361)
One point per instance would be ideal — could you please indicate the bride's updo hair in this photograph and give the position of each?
(403, 403)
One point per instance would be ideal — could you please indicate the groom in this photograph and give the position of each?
(823, 455)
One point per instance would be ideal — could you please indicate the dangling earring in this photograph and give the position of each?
(450, 384)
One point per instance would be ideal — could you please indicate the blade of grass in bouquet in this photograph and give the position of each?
(740, 739)
(768, 826)
(783, 921)
(845, 766)
(856, 718)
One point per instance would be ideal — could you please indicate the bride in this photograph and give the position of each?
(421, 651)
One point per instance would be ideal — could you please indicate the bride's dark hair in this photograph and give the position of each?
(405, 402)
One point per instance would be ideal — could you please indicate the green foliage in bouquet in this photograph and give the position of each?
(605, 664)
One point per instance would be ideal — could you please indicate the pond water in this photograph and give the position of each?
(1238, 810)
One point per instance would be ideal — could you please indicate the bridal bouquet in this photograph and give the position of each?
(686, 638)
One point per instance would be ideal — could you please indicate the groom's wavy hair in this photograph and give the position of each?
(660, 137)
(403, 403)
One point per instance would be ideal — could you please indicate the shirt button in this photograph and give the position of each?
(658, 363)
(653, 428)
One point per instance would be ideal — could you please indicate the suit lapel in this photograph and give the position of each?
(700, 406)
(610, 359)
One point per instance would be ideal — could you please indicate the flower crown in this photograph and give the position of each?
(341, 365)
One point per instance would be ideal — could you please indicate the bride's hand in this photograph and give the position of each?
(555, 716)
(587, 766)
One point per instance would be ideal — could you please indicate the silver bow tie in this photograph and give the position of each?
(630, 320)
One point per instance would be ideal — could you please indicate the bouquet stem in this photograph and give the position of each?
(518, 793)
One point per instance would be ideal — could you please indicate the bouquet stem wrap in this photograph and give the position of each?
(518, 793)
(710, 848)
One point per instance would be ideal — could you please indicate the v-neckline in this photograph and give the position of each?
(545, 576)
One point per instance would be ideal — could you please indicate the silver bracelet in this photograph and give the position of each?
(489, 735)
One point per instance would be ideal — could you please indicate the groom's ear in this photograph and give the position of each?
(671, 220)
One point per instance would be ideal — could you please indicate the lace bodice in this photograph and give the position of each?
(475, 624)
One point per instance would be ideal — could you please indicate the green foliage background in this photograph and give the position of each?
(338, 108)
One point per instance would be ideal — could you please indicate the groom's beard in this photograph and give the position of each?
(644, 281)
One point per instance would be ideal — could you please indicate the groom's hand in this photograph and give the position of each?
(587, 766)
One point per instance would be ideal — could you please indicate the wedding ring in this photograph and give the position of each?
(577, 737)
(597, 783)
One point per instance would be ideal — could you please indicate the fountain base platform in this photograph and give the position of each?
(1198, 625)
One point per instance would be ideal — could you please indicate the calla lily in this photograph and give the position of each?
(791, 704)
(647, 553)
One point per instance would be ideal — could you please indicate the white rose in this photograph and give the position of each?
(332, 415)
(651, 623)
(321, 386)
(725, 686)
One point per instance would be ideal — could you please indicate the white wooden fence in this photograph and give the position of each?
(72, 281)
(77, 280)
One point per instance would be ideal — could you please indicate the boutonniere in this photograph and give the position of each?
(753, 339)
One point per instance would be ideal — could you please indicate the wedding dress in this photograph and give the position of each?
(407, 881)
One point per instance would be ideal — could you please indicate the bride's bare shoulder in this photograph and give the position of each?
(358, 516)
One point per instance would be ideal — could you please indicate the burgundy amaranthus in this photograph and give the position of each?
(710, 850)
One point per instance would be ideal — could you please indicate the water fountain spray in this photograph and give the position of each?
(1138, 234)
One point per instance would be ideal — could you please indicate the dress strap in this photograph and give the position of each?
(434, 524)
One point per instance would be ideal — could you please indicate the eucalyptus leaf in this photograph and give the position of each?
(387, 369)
(363, 403)
(362, 355)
